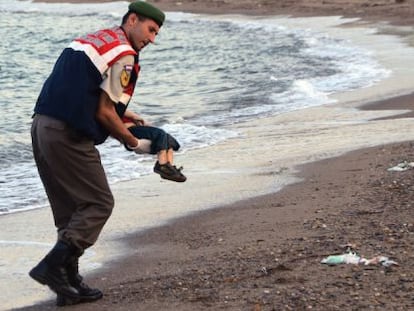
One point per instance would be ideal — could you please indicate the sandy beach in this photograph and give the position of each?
(262, 249)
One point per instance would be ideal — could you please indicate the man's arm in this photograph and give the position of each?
(108, 118)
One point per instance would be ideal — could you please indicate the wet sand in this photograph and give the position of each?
(264, 253)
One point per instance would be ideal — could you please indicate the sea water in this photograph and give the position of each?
(202, 75)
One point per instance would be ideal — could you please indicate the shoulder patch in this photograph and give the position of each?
(126, 75)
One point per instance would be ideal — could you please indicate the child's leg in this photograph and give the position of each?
(163, 157)
(170, 155)
(173, 145)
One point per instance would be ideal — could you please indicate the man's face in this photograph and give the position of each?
(142, 32)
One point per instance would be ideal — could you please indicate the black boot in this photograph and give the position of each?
(86, 293)
(51, 271)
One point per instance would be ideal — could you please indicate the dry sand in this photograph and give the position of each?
(264, 253)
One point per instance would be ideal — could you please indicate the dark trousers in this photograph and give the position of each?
(75, 182)
(160, 140)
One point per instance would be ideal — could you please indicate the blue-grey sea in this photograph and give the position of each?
(202, 74)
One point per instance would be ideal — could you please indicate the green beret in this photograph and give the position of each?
(147, 10)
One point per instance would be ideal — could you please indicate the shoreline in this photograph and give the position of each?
(171, 279)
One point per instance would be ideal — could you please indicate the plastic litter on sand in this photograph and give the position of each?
(353, 258)
(403, 166)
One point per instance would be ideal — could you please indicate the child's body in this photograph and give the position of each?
(162, 144)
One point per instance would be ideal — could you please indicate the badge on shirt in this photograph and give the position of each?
(126, 75)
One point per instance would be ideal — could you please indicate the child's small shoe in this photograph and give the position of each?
(170, 172)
